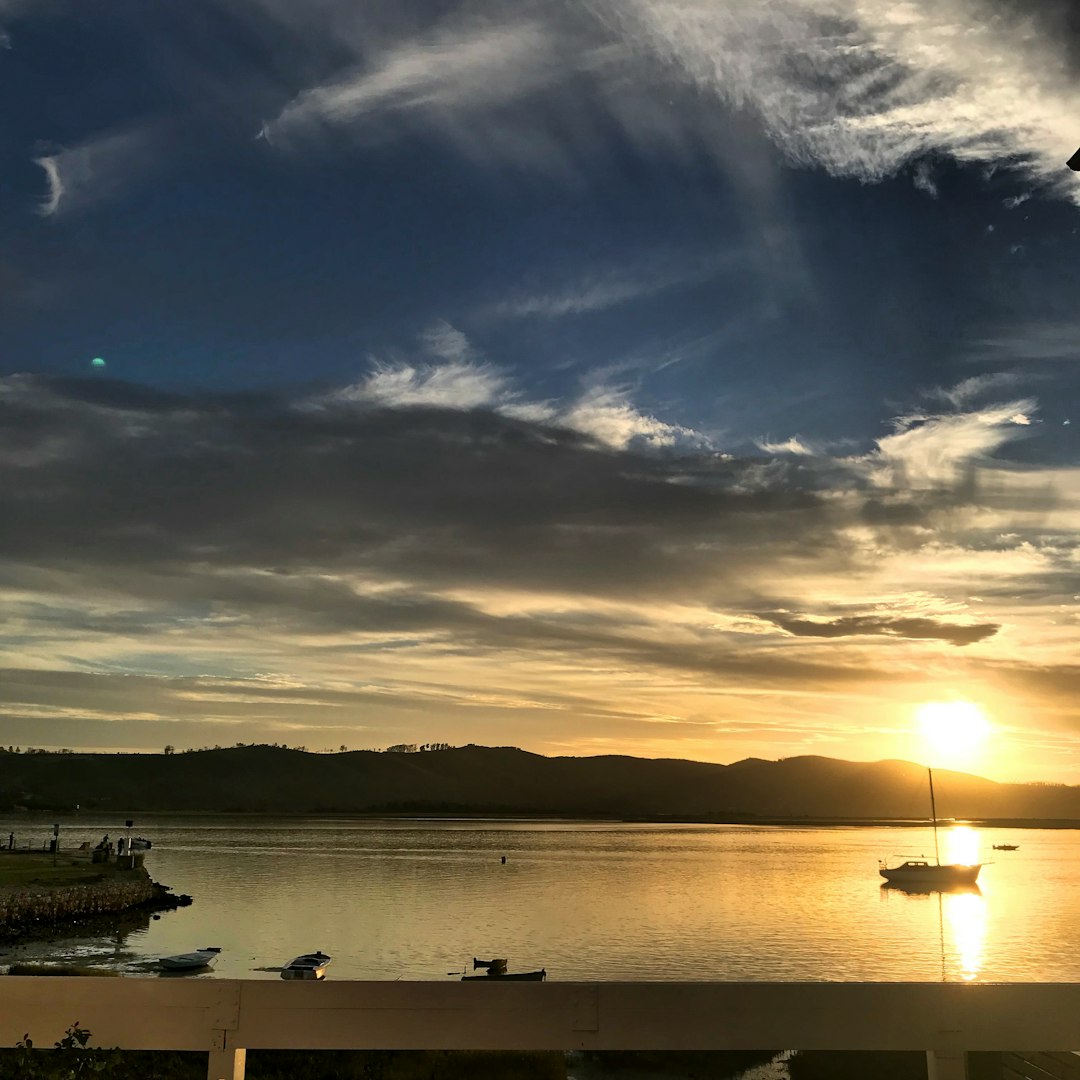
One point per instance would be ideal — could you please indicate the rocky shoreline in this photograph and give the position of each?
(43, 911)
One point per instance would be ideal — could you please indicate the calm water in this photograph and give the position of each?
(417, 899)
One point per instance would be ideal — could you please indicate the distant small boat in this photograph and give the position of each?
(310, 965)
(190, 961)
(1006, 847)
(496, 972)
(140, 843)
(924, 872)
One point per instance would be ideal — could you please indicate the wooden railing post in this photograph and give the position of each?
(226, 1065)
(946, 1065)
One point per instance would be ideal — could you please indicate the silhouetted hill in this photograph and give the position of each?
(480, 779)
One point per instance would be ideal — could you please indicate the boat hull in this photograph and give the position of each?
(515, 976)
(181, 963)
(932, 874)
(192, 961)
(308, 966)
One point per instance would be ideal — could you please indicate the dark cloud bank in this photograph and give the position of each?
(127, 510)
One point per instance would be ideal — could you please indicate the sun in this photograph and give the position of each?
(954, 731)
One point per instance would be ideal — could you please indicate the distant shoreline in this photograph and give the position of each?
(540, 816)
(867, 823)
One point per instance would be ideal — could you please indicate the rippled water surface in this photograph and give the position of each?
(416, 899)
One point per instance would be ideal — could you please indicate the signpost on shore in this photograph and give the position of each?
(55, 842)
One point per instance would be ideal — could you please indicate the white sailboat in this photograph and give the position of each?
(924, 873)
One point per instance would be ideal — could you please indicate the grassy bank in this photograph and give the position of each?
(20, 870)
(40, 898)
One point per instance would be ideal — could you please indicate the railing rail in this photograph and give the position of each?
(226, 1017)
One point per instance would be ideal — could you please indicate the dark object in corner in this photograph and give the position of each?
(1074, 162)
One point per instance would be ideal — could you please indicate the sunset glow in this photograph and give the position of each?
(596, 379)
(955, 732)
(960, 844)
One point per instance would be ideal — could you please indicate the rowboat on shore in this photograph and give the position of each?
(495, 971)
(508, 976)
(307, 966)
(190, 961)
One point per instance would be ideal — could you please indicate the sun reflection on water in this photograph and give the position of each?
(961, 846)
(967, 917)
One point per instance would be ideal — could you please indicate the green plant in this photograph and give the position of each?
(72, 1058)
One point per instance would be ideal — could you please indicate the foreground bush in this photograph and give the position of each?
(72, 1058)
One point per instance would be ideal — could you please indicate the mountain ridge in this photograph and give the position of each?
(478, 779)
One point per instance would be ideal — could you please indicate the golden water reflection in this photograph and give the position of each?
(963, 914)
(961, 846)
(966, 916)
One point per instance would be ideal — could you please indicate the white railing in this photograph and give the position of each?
(226, 1017)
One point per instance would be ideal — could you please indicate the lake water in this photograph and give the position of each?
(417, 899)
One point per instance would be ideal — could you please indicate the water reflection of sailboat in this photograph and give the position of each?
(964, 907)
(924, 888)
(935, 874)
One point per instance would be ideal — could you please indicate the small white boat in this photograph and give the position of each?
(190, 961)
(310, 965)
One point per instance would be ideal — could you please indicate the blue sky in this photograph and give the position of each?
(662, 377)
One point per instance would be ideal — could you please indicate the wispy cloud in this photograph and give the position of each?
(792, 445)
(450, 385)
(609, 417)
(609, 286)
(976, 388)
(454, 375)
(1036, 341)
(79, 176)
(931, 450)
(447, 342)
(463, 68)
(863, 87)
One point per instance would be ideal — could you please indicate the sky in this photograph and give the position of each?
(659, 377)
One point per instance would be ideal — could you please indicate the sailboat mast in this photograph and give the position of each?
(933, 814)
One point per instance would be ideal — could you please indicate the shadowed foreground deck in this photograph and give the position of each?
(226, 1017)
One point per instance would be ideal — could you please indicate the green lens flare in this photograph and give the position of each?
(97, 362)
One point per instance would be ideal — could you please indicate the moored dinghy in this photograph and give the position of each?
(190, 961)
(307, 966)
(495, 971)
